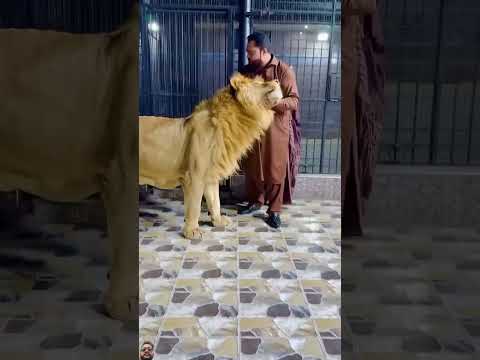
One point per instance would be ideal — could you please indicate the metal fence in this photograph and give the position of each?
(188, 49)
(186, 54)
(433, 97)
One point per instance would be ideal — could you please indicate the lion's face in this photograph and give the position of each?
(256, 92)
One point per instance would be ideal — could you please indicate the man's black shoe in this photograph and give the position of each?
(273, 220)
(250, 208)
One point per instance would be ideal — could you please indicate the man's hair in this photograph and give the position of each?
(147, 343)
(261, 40)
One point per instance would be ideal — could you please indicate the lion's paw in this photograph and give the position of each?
(223, 221)
(121, 306)
(192, 233)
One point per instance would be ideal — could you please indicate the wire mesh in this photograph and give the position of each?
(310, 43)
(207, 4)
(186, 56)
(301, 6)
(432, 98)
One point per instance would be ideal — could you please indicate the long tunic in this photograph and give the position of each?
(267, 162)
(362, 106)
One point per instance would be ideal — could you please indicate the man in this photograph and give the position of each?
(146, 351)
(267, 163)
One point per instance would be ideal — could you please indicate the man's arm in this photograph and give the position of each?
(288, 83)
(359, 7)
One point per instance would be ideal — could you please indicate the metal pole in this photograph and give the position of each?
(244, 27)
(231, 43)
(328, 85)
(415, 116)
(396, 146)
(146, 90)
(436, 87)
(472, 110)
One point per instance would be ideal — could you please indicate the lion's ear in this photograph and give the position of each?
(236, 80)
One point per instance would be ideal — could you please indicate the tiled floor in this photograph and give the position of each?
(52, 277)
(246, 292)
(412, 294)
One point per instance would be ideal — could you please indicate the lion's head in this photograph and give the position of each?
(256, 92)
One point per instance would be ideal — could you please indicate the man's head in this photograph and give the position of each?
(146, 351)
(258, 49)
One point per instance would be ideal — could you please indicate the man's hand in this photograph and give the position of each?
(290, 92)
(279, 107)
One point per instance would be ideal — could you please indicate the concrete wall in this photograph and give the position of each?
(323, 187)
(417, 196)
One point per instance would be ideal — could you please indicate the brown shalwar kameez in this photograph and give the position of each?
(362, 106)
(266, 164)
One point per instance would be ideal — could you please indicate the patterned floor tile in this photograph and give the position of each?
(414, 294)
(261, 298)
(305, 347)
(204, 298)
(310, 266)
(324, 298)
(247, 292)
(209, 265)
(254, 265)
(198, 327)
(51, 294)
(183, 348)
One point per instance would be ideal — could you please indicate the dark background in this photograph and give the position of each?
(76, 16)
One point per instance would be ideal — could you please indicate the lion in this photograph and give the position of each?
(68, 129)
(198, 151)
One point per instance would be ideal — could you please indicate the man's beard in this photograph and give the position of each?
(146, 357)
(255, 63)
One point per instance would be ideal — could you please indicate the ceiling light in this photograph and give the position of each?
(153, 26)
(323, 36)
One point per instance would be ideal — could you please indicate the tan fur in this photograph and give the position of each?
(68, 128)
(198, 151)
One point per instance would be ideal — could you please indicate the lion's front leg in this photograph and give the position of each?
(193, 192)
(212, 195)
(120, 201)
